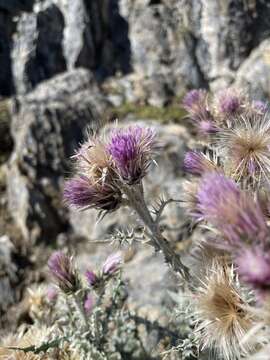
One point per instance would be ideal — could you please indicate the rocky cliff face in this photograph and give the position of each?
(64, 62)
(161, 47)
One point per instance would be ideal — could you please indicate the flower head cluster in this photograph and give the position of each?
(102, 167)
(63, 272)
(232, 211)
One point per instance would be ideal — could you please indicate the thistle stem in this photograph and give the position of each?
(80, 310)
(137, 202)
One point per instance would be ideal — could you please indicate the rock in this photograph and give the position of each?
(254, 74)
(162, 55)
(147, 276)
(47, 125)
(14, 6)
(8, 275)
(6, 29)
(37, 49)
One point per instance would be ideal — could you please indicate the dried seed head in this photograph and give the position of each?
(189, 197)
(221, 317)
(245, 150)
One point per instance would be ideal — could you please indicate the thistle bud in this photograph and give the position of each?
(63, 271)
(112, 264)
(254, 268)
(88, 304)
(91, 278)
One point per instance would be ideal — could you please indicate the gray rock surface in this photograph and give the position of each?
(161, 47)
(254, 73)
(7, 274)
(47, 126)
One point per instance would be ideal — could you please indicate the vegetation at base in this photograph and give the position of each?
(170, 113)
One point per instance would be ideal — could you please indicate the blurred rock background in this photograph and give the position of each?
(66, 65)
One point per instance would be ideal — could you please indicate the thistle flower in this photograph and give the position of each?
(91, 278)
(260, 106)
(221, 316)
(112, 263)
(63, 271)
(245, 148)
(82, 193)
(94, 185)
(52, 294)
(195, 102)
(233, 212)
(131, 150)
(229, 102)
(88, 304)
(197, 163)
(254, 268)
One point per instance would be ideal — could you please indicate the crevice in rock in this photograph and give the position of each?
(6, 29)
(108, 30)
(47, 60)
(192, 43)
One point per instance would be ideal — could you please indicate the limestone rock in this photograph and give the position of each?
(254, 74)
(48, 124)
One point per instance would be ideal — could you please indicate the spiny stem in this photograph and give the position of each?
(137, 202)
(80, 310)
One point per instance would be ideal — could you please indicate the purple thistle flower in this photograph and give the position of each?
(254, 268)
(91, 278)
(112, 263)
(62, 270)
(206, 127)
(132, 149)
(192, 98)
(260, 106)
(195, 102)
(230, 210)
(52, 294)
(196, 163)
(81, 193)
(88, 304)
(229, 102)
